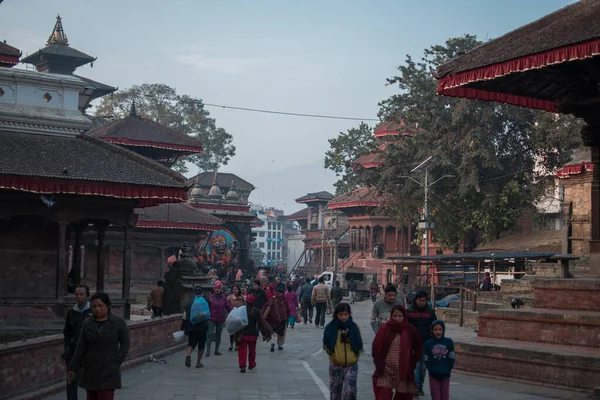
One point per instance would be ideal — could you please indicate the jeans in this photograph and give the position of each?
(440, 389)
(320, 318)
(420, 372)
(342, 382)
(74, 386)
(212, 327)
(157, 311)
(307, 310)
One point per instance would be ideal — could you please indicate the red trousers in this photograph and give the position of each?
(386, 394)
(100, 395)
(247, 348)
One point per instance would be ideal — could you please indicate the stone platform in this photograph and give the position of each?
(557, 342)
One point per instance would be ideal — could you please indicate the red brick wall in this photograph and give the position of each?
(36, 364)
(567, 294)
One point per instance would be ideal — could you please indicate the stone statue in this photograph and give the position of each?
(184, 265)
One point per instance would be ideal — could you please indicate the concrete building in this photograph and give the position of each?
(269, 236)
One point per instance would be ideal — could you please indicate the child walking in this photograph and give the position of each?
(396, 350)
(247, 337)
(439, 360)
(343, 342)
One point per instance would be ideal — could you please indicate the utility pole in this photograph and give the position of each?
(425, 225)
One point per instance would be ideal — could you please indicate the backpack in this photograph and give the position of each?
(199, 311)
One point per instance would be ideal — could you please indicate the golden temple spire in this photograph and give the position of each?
(58, 35)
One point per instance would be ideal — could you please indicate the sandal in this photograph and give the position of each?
(199, 365)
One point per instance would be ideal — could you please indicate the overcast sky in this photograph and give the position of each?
(318, 57)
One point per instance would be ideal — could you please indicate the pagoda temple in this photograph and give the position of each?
(373, 235)
(57, 181)
(322, 227)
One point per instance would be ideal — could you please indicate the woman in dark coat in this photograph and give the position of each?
(486, 285)
(102, 347)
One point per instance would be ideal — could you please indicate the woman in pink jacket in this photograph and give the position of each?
(292, 300)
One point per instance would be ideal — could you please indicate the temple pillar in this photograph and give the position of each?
(100, 258)
(591, 137)
(383, 240)
(371, 239)
(62, 267)
(309, 218)
(76, 260)
(396, 239)
(126, 279)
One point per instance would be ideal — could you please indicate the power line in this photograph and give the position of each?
(294, 114)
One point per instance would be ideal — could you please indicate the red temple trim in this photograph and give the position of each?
(372, 164)
(177, 225)
(568, 170)
(145, 195)
(167, 146)
(219, 207)
(355, 204)
(9, 60)
(452, 85)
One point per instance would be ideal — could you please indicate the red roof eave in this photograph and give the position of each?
(177, 225)
(569, 170)
(453, 85)
(354, 204)
(147, 196)
(9, 60)
(167, 146)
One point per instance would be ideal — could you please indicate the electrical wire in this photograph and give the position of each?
(293, 114)
(290, 113)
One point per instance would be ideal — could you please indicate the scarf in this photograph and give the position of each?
(80, 310)
(383, 341)
(330, 335)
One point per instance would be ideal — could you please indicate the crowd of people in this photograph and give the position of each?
(409, 341)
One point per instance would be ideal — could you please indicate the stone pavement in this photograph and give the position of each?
(300, 371)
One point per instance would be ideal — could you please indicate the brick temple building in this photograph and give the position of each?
(369, 227)
(321, 228)
(56, 181)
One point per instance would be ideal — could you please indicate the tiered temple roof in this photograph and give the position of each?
(392, 130)
(9, 56)
(58, 56)
(361, 197)
(315, 197)
(148, 138)
(177, 216)
(84, 165)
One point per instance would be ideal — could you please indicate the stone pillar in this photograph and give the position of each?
(396, 240)
(591, 137)
(127, 260)
(371, 238)
(100, 259)
(383, 239)
(62, 268)
(76, 260)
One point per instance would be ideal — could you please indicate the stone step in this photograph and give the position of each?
(480, 306)
(516, 286)
(490, 297)
(570, 328)
(567, 294)
(527, 299)
(452, 316)
(533, 363)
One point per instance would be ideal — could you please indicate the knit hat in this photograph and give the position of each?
(250, 299)
(218, 285)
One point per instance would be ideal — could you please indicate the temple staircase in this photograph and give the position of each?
(554, 340)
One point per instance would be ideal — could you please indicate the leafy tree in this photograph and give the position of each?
(496, 152)
(344, 149)
(186, 114)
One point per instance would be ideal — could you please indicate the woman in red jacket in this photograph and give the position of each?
(396, 350)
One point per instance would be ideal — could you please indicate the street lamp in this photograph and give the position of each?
(425, 165)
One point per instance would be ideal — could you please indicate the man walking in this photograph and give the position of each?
(337, 294)
(321, 299)
(219, 308)
(352, 289)
(382, 308)
(421, 315)
(155, 300)
(75, 317)
(306, 301)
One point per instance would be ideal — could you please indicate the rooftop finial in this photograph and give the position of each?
(58, 35)
(132, 111)
(215, 190)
